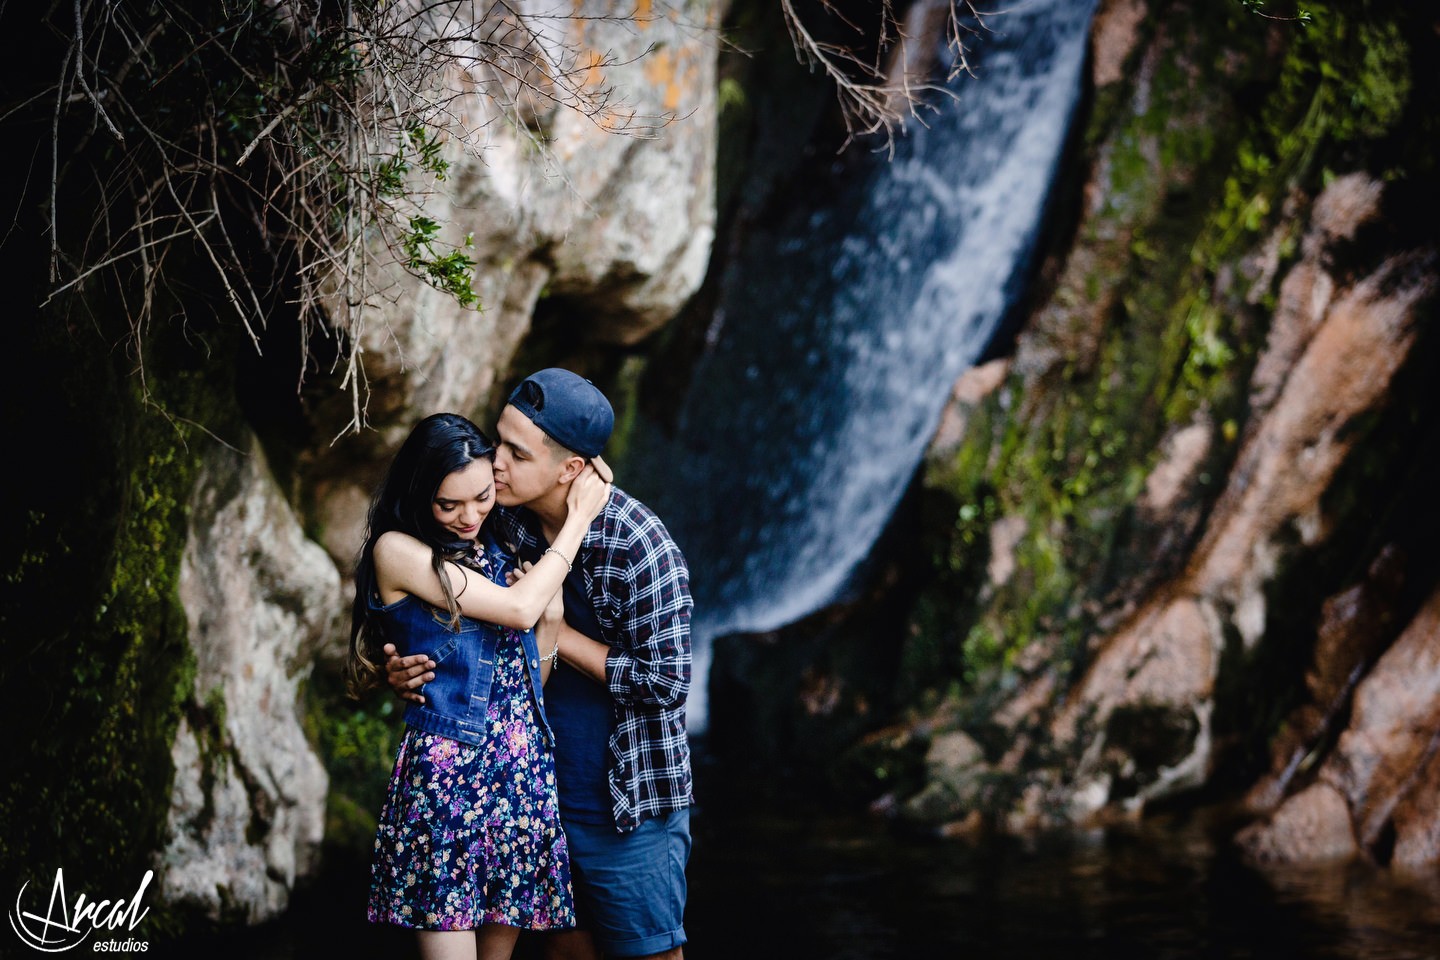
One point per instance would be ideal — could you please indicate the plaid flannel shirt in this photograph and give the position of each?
(639, 587)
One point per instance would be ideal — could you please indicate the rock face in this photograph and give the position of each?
(615, 221)
(1331, 357)
(247, 808)
(616, 226)
(1381, 776)
(611, 228)
(1186, 524)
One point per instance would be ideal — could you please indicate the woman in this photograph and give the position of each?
(469, 836)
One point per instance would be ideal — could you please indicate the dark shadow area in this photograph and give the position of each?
(780, 874)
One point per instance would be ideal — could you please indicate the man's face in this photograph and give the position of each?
(526, 466)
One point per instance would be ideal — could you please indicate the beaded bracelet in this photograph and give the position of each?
(557, 553)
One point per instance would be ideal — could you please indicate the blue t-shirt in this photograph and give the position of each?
(582, 715)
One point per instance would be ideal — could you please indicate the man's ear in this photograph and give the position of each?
(571, 468)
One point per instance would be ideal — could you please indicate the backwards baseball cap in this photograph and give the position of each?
(569, 408)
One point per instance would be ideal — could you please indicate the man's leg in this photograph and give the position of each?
(579, 945)
(630, 887)
(676, 954)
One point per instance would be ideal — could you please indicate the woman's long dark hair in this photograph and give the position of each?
(438, 446)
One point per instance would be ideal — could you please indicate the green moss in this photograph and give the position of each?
(625, 398)
(1193, 184)
(102, 668)
(119, 676)
(356, 741)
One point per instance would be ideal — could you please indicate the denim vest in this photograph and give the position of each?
(456, 700)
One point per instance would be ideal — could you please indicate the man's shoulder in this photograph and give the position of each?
(632, 521)
(624, 504)
(639, 549)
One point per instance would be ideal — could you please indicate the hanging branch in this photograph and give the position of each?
(313, 130)
(876, 98)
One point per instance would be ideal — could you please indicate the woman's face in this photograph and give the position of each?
(464, 498)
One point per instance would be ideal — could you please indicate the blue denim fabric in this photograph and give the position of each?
(630, 887)
(456, 700)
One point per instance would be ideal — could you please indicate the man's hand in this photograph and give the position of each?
(406, 675)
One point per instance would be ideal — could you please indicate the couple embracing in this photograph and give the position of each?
(538, 621)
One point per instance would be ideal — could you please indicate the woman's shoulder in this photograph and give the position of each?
(400, 563)
(397, 544)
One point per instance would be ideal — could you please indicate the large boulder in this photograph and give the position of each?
(247, 808)
(1382, 777)
(607, 221)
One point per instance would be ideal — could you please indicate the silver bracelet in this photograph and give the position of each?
(554, 655)
(557, 553)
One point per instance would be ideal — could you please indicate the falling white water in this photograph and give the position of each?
(840, 332)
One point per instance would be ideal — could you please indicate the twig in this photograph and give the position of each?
(275, 121)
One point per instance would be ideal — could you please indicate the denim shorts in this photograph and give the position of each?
(630, 887)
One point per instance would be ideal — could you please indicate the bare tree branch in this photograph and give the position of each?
(878, 97)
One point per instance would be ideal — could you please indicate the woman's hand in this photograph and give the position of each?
(588, 493)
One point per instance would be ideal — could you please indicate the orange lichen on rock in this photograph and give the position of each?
(670, 71)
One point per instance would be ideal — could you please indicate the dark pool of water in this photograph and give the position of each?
(798, 885)
(848, 890)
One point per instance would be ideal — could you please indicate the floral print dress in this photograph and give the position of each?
(471, 835)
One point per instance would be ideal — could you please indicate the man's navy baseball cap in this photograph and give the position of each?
(569, 408)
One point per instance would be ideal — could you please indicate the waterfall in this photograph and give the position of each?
(839, 331)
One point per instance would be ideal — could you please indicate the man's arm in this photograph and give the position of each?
(579, 652)
(653, 666)
(406, 675)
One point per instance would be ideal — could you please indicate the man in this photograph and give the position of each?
(622, 757)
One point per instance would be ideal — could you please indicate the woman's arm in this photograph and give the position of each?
(547, 634)
(402, 564)
(547, 630)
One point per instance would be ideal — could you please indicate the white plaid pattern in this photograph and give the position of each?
(639, 586)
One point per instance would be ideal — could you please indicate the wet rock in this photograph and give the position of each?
(957, 771)
(1114, 37)
(1312, 826)
(1336, 370)
(248, 800)
(1394, 735)
(1384, 773)
(973, 387)
(1355, 625)
(1417, 822)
